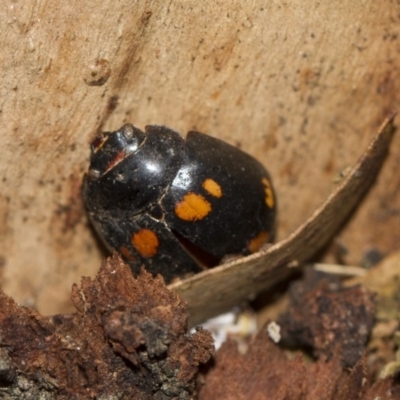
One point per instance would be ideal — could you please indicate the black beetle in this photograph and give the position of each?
(173, 204)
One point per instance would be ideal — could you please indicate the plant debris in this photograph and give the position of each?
(128, 339)
(332, 320)
(265, 372)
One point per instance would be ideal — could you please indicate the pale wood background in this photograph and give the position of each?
(302, 85)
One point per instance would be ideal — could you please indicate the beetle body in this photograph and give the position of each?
(165, 202)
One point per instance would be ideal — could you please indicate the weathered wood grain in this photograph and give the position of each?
(301, 85)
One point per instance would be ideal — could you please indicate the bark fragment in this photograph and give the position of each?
(332, 320)
(128, 339)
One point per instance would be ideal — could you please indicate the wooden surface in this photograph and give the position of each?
(302, 85)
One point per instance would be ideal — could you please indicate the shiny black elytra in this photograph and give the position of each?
(170, 203)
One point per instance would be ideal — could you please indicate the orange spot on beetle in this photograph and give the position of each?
(254, 244)
(269, 194)
(193, 207)
(212, 187)
(145, 242)
(126, 253)
(116, 160)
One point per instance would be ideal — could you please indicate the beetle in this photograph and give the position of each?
(176, 205)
